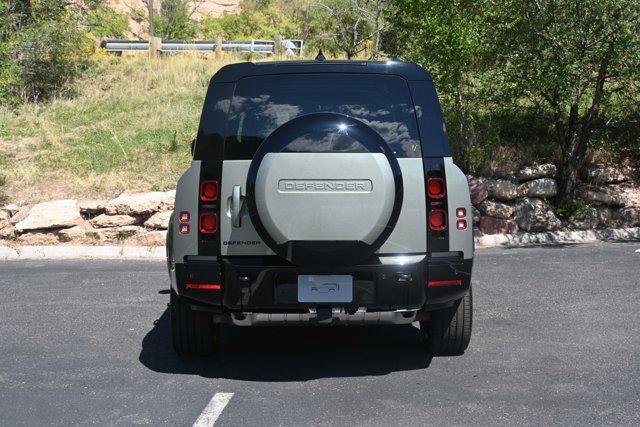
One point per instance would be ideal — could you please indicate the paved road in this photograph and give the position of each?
(556, 341)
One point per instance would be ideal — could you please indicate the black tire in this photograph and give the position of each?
(193, 332)
(448, 332)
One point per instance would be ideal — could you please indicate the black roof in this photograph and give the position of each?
(234, 72)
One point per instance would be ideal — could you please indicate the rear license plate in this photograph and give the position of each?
(325, 288)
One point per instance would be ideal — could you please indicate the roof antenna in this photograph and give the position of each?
(320, 56)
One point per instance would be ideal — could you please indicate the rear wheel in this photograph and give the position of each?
(193, 332)
(448, 332)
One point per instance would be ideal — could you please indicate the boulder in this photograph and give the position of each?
(5, 215)
(6, 229)
(106, 221)
(603, 174)
(115, 234)
(605, 216)
(138, 203)
(38, 239)
(79, 232)
(496, 209)
(477, 189)
(152, 238)
(609, 196)
(12, 209)
(475, 215)
(535, 215)
(20, 215)
(92, 207)
(533, 172)
(628, 217)
(541, 187)
(503, 190)
(159, 220)
(489, 225)
(587, 219)
(168, 200)
(51, 215)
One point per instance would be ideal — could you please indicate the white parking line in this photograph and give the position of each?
(213, 410)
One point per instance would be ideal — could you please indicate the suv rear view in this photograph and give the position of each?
(321, 193)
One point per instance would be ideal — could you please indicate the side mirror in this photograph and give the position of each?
(193, 147)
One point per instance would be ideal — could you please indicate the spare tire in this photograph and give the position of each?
(324, 190)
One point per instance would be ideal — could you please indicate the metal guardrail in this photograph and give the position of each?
(289, 47)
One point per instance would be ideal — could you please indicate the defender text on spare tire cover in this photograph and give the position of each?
(321, 192)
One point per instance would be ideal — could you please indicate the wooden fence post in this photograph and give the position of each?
(218, 47)
(155, 46)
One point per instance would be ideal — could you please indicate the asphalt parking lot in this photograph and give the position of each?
(556, 341)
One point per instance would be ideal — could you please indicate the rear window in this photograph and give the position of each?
(263, 103)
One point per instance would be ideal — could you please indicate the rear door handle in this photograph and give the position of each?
(236, 205)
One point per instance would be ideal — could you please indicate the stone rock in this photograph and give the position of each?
(534, 172)
(587, 219)
(20, 215)
(115, 234)
(159, 220)
(12, 209)
(79, 232)
(168, 200)
(496, 209)
(605, 216)
(477, 189)
(489, 225)
(602, 174)
(535, 215)
(38, 239)
(152, 238)
(92, 207)
(5, 215)
(475, 215)
(6, 229)
(503, 190)
(138, 203)
(609, 196)
(51, 215)
(541, 187)
(106, 221)
(628, 217)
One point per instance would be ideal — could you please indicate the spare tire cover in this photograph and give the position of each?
(324, 190)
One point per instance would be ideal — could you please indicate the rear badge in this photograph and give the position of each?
(325, 185)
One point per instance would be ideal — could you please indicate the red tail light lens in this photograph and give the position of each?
(208, 222)
(444, 282)
(205, 286)
(437, 219)
(436, 188)
(209, 190)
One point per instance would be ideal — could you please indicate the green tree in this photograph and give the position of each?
(446, 37)
(107, 22)
(174, 21)
(570, 60)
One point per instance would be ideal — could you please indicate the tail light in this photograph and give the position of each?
(437, 219)
(209, 190)
(208, 222)
(205, 286)
(436, 188)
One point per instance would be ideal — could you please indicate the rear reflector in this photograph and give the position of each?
(436, 188)
(437, 219)
(461, 224)
(205, 286)
(461, 212)
(184, 228)
(184, 216)
(208, 222)
(444, 282)
(209, 190)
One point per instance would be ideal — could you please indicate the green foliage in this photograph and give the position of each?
(42, 49)
(174, 22)
(107, 22)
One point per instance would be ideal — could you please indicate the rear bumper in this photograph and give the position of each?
(389, 289)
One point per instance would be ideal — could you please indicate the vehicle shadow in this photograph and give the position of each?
(292, 353)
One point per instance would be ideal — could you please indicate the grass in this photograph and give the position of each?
(127, 127)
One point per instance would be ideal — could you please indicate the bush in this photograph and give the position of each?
(107, 22)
